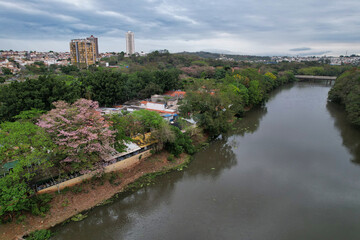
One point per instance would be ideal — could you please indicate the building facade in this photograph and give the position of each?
(95, 40)
(130, 43)
(82, 52)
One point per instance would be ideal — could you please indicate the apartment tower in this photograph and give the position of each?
(95, 40)
(83, 52)
(130, 44)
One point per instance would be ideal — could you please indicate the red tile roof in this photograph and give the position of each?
(175, 93)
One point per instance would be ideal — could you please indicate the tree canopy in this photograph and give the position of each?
(81, 134)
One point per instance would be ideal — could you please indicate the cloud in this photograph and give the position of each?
(300, 49)
(174, 11)
(113, 14)
(28, 9)
(260, 27)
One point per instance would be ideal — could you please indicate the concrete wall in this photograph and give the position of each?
(155, 106)
(127, 163)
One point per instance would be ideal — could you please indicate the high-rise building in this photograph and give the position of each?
(130, 44)
(83, 52)
(95, 40)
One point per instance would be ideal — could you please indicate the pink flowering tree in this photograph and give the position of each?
(82, 135)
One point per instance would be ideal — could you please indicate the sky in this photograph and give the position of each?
(247, 27)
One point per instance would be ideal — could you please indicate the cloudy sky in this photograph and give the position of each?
(256, 27)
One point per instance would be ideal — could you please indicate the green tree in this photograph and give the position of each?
(182, 143)
(107, 87)
(148, 120)
(346, 91)
(70, 69)
(24, 142)
(35, 93)
(28, 147)
(6, 71)
(211, 111)
(255, 94)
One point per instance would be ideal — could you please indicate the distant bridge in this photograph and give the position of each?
(314, 78)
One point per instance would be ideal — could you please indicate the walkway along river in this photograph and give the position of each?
(288, 171)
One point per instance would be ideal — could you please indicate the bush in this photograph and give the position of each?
(40, 235)
(171, 158)
(182, 143)
(40, 204)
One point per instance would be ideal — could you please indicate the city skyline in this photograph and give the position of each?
(242, 27)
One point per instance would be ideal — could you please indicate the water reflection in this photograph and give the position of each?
(251, 122)
(121, 214)
(349, 133)
(213, 160)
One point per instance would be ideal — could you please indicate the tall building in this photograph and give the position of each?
(82, 52)
(95, 40)
(130, 44)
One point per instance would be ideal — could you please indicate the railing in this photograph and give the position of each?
(315, 77)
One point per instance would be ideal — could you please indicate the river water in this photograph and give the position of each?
(289, 170)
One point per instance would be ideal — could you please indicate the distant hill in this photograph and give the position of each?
(218, 55)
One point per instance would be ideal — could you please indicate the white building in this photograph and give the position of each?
(130, 43)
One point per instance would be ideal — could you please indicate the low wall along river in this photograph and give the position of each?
(126, 163)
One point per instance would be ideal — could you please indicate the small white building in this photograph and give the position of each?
(153, 106)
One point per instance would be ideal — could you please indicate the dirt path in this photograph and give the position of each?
(86, 196)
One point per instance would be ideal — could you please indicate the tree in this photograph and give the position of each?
(35, 93)
(149, 120)
(6, 71)
(24, 142)
(82, 135)
(211, 111)
(14, 196)
(28, 147)
(30, 115)
(124, 127)
(70, 69)
(255, 94)
(182, 143)
(107, 87)
(346, 91)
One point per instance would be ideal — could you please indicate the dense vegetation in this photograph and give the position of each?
(131, 78)
(214, 104)
(346, 91)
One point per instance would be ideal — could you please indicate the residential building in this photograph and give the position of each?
(82, 52)
(96, 45)
(130, 43)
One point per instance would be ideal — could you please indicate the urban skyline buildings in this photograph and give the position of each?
(95, 40)
(83, 52)
(130, 43)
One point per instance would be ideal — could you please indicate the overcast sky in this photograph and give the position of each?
(256, 27)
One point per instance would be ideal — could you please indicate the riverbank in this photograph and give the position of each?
(92, 193)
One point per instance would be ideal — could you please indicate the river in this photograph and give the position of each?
(289, 170)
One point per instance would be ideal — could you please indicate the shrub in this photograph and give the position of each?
(182, 143)
(40, 235)
(171, 158)
(40, 204)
